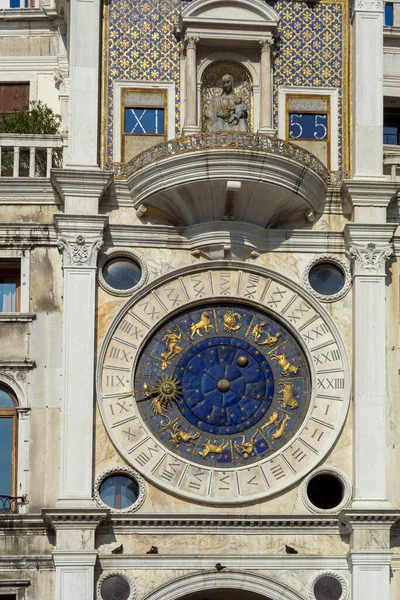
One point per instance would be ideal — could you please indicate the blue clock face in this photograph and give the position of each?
(223, 385)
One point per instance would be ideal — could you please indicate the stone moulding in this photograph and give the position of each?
(343, 266)
(108, 574)
(120, 470)
(213, 141)
(344, 480)
(342, 580)
(118, 252)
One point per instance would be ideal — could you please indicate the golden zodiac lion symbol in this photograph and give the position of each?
(204, 323)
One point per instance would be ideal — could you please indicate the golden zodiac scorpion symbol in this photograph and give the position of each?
(171, 340)
(210, 448)
(288, 395)
(284, 364)
(246, 448)
(178, 436)
(204, 323)
(232, 321)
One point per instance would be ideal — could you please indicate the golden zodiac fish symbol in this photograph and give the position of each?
(165, 391)
(281, 429)
(178, 436)
(284, 364)
(171, 346)
(246, 448)
(204, 323)
(232, 321)
(210, 448)
(288, 395)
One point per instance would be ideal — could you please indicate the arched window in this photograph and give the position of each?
(8, 443)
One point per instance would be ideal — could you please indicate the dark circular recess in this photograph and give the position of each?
(326, 278)
(115, 588)
(122, 273)
(325, 491)
(328, 588)
(119, 491)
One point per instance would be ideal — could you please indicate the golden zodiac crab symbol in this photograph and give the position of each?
(232, 321)
(246, 448)
(204, 323)
(164, 391)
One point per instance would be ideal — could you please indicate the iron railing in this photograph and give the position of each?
(10, 504)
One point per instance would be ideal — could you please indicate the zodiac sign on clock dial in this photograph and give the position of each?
(222, 385)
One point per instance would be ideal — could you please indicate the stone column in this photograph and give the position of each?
(83, 49)
(266, 87)
(191, 87)
(79, 239)
(369, 250)
(367, 88)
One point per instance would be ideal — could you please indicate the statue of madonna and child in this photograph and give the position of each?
(226, 112)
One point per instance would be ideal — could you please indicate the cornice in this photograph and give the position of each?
(25, 190)
(16, 318)
(18, 365)
(369, 558)
(74, 518)
(27, 235)
(221, 232)
(365, 233)
(225, 524)
(281, 561)
(11, 525)
(373, 192)
(368, 519)
(33, 562)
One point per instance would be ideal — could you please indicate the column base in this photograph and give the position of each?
(191, 130)
(267, 131)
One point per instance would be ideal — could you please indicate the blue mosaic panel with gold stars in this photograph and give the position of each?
(223, 385)
(142, 47)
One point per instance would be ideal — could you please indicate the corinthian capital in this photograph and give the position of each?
(191, 42)
(79, 252)
(369, 259)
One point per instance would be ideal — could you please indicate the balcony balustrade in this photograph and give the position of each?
(31, 155)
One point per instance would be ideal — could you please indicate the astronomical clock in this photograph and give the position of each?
(223, 384)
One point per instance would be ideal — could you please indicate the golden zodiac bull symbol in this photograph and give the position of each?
(288, 395)
(284, 364)
(246, 448)
(281, 429)
(232, 321)
(210, 448)
(204, 323)
(178, 436)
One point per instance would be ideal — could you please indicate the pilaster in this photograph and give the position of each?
(369, 248)
(370, 556)
(79, 239)
(75, 554)
(367, 88)
(84, 52)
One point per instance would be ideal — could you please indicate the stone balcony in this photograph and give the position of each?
(31, 155)
(249, 178)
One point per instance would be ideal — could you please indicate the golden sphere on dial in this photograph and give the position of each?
(242, 361)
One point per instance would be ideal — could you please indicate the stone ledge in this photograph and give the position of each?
(16, 318)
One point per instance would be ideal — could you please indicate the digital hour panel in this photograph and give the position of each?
(308, 126)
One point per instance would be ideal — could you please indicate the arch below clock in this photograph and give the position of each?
(250, 585)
